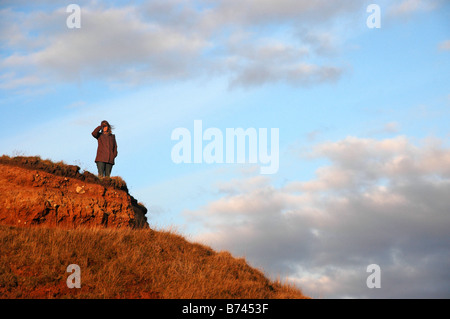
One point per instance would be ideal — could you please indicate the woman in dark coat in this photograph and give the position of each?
(106, 150)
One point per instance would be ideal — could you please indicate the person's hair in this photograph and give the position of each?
(110, 127)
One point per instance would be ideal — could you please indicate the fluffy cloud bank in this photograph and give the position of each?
(250, 42)
(379, 201)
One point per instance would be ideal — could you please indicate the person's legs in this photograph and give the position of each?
(108, 169)
(101, 169)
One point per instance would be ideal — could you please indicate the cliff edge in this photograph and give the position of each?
(40, 192)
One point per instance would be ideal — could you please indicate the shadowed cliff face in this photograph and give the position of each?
(40, 192)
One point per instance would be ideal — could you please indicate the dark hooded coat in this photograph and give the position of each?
(107, 146)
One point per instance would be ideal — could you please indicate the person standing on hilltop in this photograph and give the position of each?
(106, 150)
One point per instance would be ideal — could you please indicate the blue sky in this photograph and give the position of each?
(362, 114)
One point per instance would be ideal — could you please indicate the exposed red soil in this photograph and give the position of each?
(40, 192)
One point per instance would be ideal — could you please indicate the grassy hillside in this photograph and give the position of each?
(124, 263)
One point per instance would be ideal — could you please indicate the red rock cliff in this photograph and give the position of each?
(40, 192)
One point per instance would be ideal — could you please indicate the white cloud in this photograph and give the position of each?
(112, 43)
(444, 45)
(379, 201)
(387, 128)
(176, 40)
(11, 80)
(257, 12)
(408, 7)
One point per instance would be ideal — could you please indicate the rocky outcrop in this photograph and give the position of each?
(39, 192)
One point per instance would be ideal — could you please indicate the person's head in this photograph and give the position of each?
(106, 127)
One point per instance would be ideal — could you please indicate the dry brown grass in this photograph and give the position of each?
(62, 169)
(124, 263)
